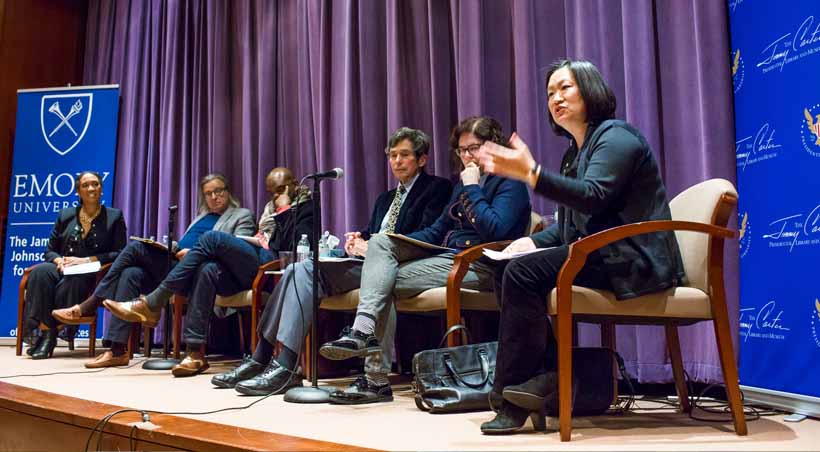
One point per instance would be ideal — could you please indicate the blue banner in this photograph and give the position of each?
(60, 132)
(775, 54)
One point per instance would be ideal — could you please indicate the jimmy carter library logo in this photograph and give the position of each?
(810, 131)
(815, 322)
(790, 47)
(798, 229)
(761, 146)
(64, 119)
(744, 234)
(738, 71)
(766, 322)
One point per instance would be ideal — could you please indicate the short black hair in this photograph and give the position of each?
(419, 140)
(483, 127)
(80, 176)
(599, 100)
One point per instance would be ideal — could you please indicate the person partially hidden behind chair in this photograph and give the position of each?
(223, 264)
(483, 208)
(140, 267)
(608, 178)
(414, 204)
(86, 233)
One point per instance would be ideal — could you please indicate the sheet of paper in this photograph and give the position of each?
(252, 240)
(421, 244)
(153, 243)
(501, 256)
(81, 269)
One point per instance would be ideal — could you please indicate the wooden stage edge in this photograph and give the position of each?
(31, 419)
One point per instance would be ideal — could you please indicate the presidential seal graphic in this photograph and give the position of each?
(810, 131)
(744, 239)
(738, 71)
(815, 322)
(64, 120)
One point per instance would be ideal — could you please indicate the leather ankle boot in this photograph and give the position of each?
(511, 418)
(46, 348)
(36, 344)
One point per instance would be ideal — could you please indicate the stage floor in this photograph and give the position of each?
(390, 426)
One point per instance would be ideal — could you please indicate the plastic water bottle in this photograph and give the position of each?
(324, 249)
(302, 249)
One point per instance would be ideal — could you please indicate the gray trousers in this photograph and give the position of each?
(289, 311)
(398, 269)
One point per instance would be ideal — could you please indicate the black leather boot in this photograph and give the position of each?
(37, 343)
(511, 418)
(46, 348)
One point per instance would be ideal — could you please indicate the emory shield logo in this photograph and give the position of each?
(64, 119)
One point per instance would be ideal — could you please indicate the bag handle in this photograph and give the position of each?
(452, 330)
(485, 370)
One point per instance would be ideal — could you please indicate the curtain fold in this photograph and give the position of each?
(240, 87)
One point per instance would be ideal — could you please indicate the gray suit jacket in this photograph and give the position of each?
(234, 221)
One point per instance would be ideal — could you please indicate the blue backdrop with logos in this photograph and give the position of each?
(60, 132)
(776, 70)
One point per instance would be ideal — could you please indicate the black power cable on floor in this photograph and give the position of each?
(74, 372)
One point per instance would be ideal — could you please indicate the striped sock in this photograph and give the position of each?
(364, 323)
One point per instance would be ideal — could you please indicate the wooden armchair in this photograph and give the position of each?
(248, 299)
(21, 309)
(699, 217)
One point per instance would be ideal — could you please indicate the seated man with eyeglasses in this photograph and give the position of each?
(140, 267)
(482, 208)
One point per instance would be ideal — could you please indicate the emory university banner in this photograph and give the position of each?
(60, 132)
(776, 73)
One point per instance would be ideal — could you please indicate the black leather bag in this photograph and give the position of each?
(454, 379)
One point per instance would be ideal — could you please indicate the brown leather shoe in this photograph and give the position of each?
(136, 310)
(71, 316)
(194, 363)
(108, 359)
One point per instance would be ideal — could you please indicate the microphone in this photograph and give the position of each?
(335, 173)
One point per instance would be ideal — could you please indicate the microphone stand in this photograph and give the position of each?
(313, 393)
(166, 363)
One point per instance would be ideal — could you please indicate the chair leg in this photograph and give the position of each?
(149, 339)
(241, 332)
(565, 333)
(177, 326)
(608, 341)
(133, 339)
(306, 357)
(673, 342)
(92, 337)
(723, 336)
(20, 333)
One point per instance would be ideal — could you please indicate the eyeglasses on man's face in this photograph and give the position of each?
(215, 193)
(470, 149)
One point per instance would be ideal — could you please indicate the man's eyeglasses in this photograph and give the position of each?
(214, 193)
(471, 149)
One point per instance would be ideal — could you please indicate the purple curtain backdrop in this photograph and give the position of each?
(240, 87)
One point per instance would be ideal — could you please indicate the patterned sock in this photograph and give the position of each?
(377, 379)
(158, 298)
(364, 323)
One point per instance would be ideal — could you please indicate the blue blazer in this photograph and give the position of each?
(420, 209)
(497, 210)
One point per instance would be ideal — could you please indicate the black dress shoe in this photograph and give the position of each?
(511, 418)
(274, 380)
(37, 343)
(351, 344)
(245, 371)
(362, 391)
(46, 348)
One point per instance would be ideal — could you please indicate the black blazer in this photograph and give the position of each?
(611, 181)
(104, 241)
(423, 205)
(298, 218)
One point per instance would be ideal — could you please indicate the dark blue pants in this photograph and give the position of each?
(138, 269)
(219, 264)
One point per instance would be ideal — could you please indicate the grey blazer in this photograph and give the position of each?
(234, 221)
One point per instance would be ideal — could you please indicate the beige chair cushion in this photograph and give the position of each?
(679, 302)
(696, 203)
(429, 300)
(237, 300)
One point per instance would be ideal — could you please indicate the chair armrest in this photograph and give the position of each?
(261, 277)
(461, 263)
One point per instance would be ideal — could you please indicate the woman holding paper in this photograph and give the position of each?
(608, 178)
(84, 234)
